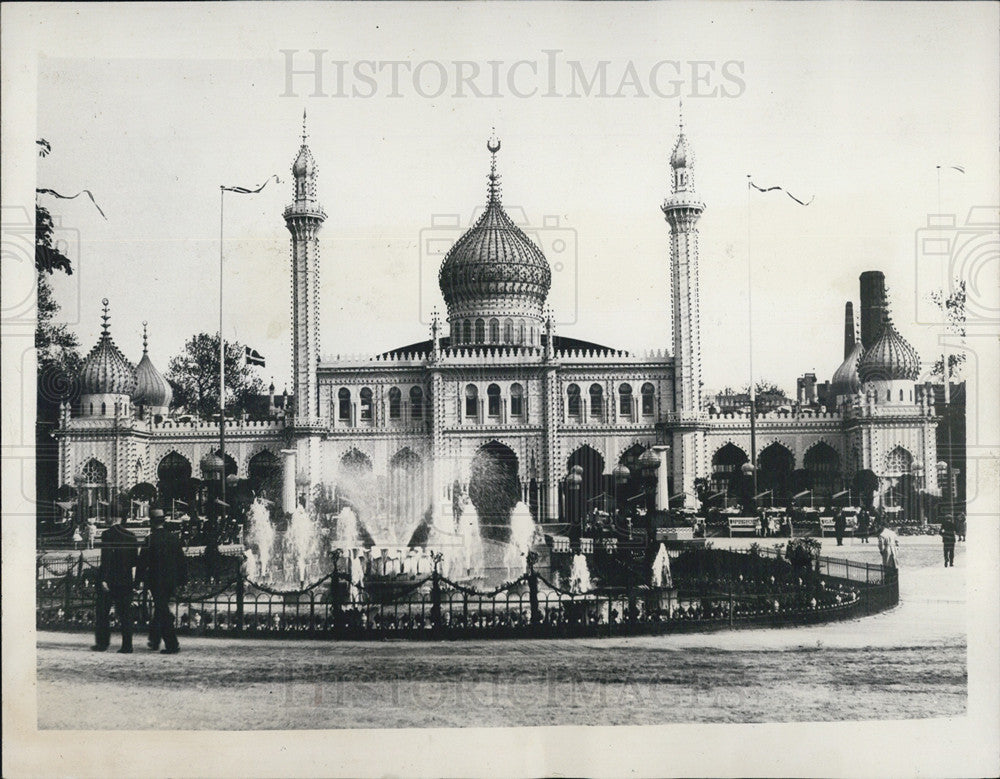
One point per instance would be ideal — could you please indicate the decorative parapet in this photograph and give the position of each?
(775, 416)
(232, 426)
(494, 355)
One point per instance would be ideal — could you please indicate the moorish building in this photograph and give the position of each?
(497, 406)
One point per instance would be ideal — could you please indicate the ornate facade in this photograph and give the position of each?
(500, 407)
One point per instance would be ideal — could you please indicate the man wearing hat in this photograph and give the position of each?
(162, 568)
(119, 557)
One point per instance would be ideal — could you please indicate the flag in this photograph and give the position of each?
(959, 168)
(780, 189)
(86, 192)
(245, 191)
(254, 357)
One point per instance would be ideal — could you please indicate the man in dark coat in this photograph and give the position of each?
(948, 538)
(119, 557)
(840, 527)
(162, 568)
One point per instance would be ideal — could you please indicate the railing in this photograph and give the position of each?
(713, 589)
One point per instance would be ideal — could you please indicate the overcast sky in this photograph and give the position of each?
(850, 105)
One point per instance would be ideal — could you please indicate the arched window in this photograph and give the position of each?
(532, 341)
(471, 400)
(95, 472)
(596, 400)
(344, 404)
(494, 331)
(395, 402)
(888, 394)
(648, 398)
(625, 400)
(366, 403)
(417, 402)
(901, 396)
(467, 332)
(520, 331)
(493, 400)
(573, 396)
(480, 331)
(508, 331)
(104, 409)
(516, 400)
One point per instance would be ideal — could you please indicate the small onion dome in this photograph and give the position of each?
(682, 153)
(621, 473)
(577, 469)
(890, 358)
(106, 371)
(211, 463)
(845, 379)
(942, 465)
(574, 480)
(649, 461)
(746, 469)
(304, 164)
(151, 389)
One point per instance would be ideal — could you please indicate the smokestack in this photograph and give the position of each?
(873, 306)
(848, 328)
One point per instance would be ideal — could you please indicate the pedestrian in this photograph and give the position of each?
(864, 525)
(839, 526)
(948, 538)
(162, 568)
(119, 557)
(888, 547)
(960, 527)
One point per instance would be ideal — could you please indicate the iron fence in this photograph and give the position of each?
(712, 589)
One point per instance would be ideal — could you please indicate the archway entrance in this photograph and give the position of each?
(774, 471)
(174, 479)
(494, 488)
(726, 465)
(407, 493)
(591, 492)
(823, 466)
(264, 475)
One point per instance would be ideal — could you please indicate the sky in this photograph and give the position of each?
(851, 107)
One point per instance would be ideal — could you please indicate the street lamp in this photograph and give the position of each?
(574, 481)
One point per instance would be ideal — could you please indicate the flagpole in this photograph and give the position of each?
(753, 389)
(222, 363)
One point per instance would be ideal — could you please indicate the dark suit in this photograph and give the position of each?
(119, 556)
(163, 568)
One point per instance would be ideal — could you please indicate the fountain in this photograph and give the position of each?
(661, 576)
(346, 534)
(260, 536)
(579, 575)
(471, 559)
(301, 540)
(522, 535)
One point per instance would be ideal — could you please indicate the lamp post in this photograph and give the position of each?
(574, 481)
(649, 462)
(748, 491)
(917, 469)
(621, 474)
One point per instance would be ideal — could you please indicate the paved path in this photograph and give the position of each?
(906, 663)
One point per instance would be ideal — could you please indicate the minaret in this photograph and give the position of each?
(848, 328)
(304, 218)
(682, 210)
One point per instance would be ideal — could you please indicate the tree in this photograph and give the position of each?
(194, 376)
(865, 484)
(57, 355)
(953, 307)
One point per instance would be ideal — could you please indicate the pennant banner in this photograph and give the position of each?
(245, 191)
(87, 192)
(253, 357)
(780, 189)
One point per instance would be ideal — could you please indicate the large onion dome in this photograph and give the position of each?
(846, 380)
(151, 389)
(105, 370)
(891, 358)
(494, 266)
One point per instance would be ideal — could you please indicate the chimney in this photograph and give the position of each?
(873, 306)
(848, 328)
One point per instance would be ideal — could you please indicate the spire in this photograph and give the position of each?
(304, 133)
(680, 117)
(105, 316)
(849, 336)
(145, 339)
(493, 146)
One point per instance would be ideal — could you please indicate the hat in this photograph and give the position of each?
(156, 516)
